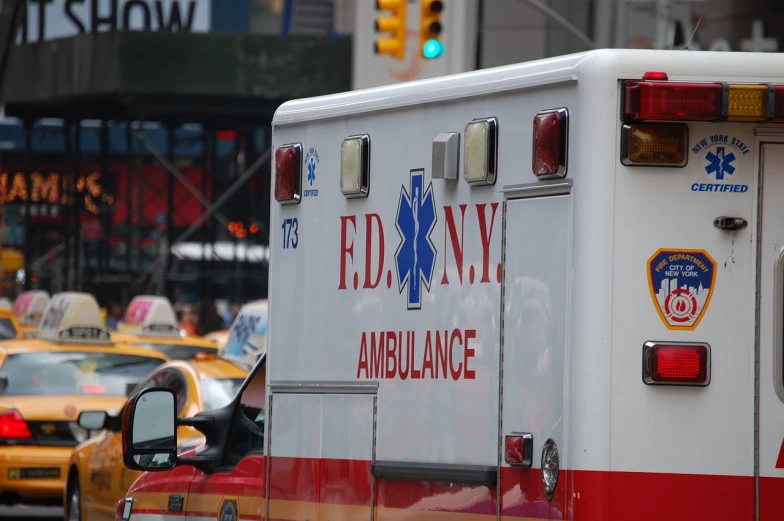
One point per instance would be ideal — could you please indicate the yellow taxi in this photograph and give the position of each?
(10, 328)
(97, 478)
(150, 322)
(46, 382)
(28, 308)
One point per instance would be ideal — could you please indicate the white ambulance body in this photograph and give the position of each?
(452, 333)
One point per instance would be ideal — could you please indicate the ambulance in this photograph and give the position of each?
(577, 267)
(150, 322)
(29, 307)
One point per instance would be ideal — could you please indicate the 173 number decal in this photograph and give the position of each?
(290, 229)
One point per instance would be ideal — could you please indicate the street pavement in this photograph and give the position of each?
(19, 513)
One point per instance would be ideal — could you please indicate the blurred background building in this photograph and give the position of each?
(113, 146)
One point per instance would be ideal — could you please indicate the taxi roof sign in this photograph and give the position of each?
(247, 341)
(5, 302)
(29, 306)
(150, 315)
(72, 317)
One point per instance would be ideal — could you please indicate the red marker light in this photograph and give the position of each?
(124, 507)
(13, 426)
(676, 364)
(519, 449)
(549, 143)
(655, 76)
(288, 174)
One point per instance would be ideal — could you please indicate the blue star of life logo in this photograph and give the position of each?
(311, 170)
(415, 258)
(720, 163)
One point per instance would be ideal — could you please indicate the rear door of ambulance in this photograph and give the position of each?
(771, 315)
(685, 304)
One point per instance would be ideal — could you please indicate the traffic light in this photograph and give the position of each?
(430, 28)
(395, 24)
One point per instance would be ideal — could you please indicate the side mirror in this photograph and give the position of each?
(92, 420)
(150, 430)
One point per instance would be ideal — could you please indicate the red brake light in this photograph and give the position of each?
(519, 449)
(674, 363)
(548, 158)
(288, 173)
(13, 426)
(661, 101)
(655, 76)
(93, 389)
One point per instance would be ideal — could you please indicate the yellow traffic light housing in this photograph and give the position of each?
(430, 28)
(394, 24)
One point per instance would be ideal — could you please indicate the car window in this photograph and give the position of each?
(178, 351)
(216, 393)
(72, 373)
(7, 329)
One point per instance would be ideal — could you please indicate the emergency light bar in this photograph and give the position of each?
(655, 98)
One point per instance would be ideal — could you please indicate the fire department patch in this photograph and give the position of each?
(229, 510)
(681, 284)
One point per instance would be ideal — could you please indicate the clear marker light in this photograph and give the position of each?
(433, 49)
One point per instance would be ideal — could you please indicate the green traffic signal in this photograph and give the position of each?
(432, 49)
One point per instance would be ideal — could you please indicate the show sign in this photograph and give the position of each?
(51, 19)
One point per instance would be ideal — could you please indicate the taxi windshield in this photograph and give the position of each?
(178, 351)
(219, 392)
(7, 329)
(72, 373)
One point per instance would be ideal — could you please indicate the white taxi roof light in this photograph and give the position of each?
(355, 166)
(247, 340)
(72, 317)
(30, 305)
(150, 315)
(288, 174)
(481, 151)
(550, 143)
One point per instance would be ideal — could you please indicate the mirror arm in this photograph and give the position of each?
(196, 421)
(204, 463)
